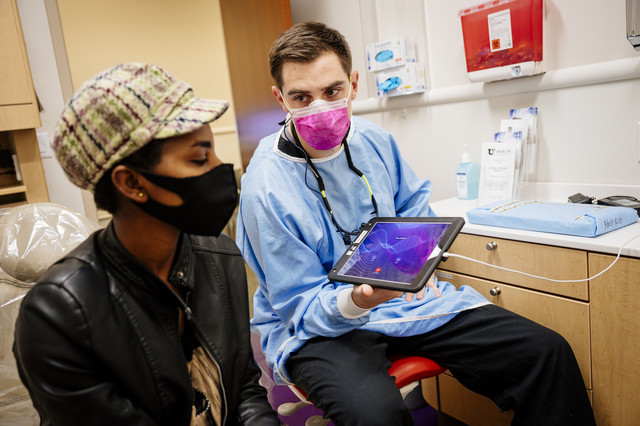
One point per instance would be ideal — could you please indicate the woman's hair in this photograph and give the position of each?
(146, 158)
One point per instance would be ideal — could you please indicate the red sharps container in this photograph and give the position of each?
(503, 39)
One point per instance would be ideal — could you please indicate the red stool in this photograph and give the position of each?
(408, 371)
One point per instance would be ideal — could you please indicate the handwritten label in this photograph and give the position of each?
(612, 223)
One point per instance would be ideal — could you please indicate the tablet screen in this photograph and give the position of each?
(394, 251)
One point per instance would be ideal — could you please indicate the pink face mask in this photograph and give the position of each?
(322, 124)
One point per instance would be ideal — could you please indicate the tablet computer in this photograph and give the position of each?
(397, 253)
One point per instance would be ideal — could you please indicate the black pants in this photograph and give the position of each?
(517, 363)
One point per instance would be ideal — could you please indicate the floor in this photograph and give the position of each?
(426, 416)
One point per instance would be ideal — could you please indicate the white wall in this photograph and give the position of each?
(588, 134)
(46, 80)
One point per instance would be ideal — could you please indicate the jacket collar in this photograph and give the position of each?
(129, 269)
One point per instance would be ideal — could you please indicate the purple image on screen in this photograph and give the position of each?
(394, 251)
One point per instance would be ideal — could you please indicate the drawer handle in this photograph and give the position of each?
(492, 246)
(495, 291)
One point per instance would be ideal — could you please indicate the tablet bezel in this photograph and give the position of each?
(455, 226)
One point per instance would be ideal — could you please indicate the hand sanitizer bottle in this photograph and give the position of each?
(467, 178)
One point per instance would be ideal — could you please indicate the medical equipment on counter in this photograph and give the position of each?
(582, 220)
(580, 198)
(503, 39)
(621, 201)
(401, 81)
(390, 53)
(467, 177)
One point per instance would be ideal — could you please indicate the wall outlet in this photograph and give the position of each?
(45, 147)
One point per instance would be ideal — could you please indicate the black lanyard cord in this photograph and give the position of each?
(343, 233)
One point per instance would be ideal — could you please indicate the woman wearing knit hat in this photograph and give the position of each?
(146, 322)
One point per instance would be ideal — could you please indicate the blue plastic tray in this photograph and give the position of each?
(583, 220)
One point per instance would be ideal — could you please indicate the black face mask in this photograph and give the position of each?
(208, 200)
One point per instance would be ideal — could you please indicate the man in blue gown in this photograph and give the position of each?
(307, 190)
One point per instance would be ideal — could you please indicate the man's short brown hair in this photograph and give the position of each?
(304, 43)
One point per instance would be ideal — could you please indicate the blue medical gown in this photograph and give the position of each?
(287, 238)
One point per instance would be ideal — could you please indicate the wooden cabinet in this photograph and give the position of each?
(615, 331)
(563, 307)
(18, 104)
(19, 114)
(548, 261)
(568, 317)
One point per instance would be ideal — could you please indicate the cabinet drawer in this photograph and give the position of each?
(570, 318)
(547, 261)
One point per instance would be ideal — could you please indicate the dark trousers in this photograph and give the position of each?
(517, 363)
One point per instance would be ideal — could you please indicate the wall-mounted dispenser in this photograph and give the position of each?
(633, 23)
(504, 39)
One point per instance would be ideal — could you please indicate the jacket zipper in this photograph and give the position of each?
(189, 316)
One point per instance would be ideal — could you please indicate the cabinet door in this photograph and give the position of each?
(570, 318)
(469, 407)
(615, 331)
(15, 86)
(536, 259)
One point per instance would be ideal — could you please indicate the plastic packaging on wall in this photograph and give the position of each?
(34, 236)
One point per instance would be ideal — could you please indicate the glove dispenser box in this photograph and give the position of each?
(503, 39)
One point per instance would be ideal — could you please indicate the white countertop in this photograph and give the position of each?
(607, 243)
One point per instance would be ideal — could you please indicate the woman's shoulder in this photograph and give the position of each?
(222, 244)
(78, 280)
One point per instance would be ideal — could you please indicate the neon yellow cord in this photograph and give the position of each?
(367, 182)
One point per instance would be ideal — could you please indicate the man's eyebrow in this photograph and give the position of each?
(206, 144)
(295, 91)
(334, 84)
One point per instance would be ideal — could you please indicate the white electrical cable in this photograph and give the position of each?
(446, 255)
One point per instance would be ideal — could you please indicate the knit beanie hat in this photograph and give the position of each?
(119, 111)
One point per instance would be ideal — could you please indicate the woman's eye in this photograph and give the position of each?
(200, 162)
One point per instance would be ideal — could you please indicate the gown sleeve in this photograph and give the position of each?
(282, 253)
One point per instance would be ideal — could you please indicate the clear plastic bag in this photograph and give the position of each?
(15, 404)
(19, 413)
(34, 236)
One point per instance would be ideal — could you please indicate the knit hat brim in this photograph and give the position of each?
(191, 116)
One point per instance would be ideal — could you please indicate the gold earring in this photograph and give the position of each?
(140, 194)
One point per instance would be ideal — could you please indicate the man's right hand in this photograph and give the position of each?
(367, 297)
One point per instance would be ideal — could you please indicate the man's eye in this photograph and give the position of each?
(332, 92)
(300, 98)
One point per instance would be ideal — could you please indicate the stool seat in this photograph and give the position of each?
(406, 370)
(409, 369)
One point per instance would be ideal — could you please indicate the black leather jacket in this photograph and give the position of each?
(97, 339)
